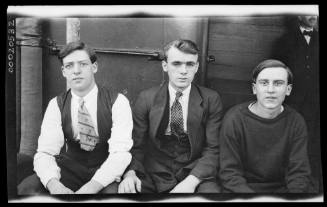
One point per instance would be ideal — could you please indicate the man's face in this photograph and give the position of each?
(271, 87)
(79, 71)
(181, 68)
(308, 21)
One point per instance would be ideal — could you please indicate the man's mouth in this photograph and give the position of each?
(271, 97)
(79, 78)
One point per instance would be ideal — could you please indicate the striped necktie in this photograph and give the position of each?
(88, 137)
(176, 117)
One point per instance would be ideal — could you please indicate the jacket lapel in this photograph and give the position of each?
(157, 110)
(301, 38)
(195, 113)
(314, 39)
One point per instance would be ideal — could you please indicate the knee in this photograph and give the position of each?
(30, 186)
(25, 189)
(208, 187)
(110, 189)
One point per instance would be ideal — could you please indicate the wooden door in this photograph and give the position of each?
(238, 44)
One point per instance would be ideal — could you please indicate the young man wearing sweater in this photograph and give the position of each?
(264, 143)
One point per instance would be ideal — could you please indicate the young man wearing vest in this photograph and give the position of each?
(85, 135)
(176, 127)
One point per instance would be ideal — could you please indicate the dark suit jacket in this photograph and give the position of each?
(303, 60)
(203, 124)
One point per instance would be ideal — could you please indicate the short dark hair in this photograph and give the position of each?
(76, 45)
(271, 63)
(186, 46)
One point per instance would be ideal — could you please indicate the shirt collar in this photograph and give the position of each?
(172, 91)
(89, 96)
(302, 29)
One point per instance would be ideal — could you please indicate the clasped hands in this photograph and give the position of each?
(56, 187)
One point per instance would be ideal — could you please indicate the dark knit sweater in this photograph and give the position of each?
(259, 154)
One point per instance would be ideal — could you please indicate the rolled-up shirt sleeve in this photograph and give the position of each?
(120, 143)
(50, 142)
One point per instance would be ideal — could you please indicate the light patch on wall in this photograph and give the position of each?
(163, 10)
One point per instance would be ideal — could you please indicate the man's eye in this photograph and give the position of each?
(68, 66)
(176, 63)
(279, 83)
(190, 64)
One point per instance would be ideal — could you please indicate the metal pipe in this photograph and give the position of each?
(155, 54)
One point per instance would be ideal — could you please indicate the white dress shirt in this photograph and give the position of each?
(184, 102)
(51, 139)
(307, 37)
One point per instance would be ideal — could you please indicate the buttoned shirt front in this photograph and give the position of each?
(307, 37)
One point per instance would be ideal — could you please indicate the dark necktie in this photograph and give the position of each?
(176, 117)
(88, 137)
(309, 33)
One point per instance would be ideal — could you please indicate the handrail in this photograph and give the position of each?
(152, 54)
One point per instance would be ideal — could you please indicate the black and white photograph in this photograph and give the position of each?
(164, 103)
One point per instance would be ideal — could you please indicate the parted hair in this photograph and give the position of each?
(186, 46)
(76, 45)
(271, 63)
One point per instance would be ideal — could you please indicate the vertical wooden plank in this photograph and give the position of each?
(73, 30)
(72, 34)
(204, 50)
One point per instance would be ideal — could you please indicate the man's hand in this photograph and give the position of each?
(187, 185)
(90, 187)
(129, 182)
(56, 187)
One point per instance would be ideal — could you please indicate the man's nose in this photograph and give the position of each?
(271, 88)
(76, 68)
(183, 68)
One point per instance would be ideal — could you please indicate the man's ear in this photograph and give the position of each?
(289, 89)
(63, 71)
(299, 18)
(197, 66)
(164, 65)
(95, 67)
(254, 88)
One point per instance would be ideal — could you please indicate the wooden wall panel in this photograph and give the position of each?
(238, 45)
(128, 33)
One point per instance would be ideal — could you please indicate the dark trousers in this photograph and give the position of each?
(73, 176)
(33, 186)
(310, 110)
(208, 186)
(166, 167)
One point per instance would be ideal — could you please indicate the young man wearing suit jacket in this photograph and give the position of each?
(176, 127)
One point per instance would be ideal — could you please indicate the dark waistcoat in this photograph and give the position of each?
(166, 161)
(93, 159)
